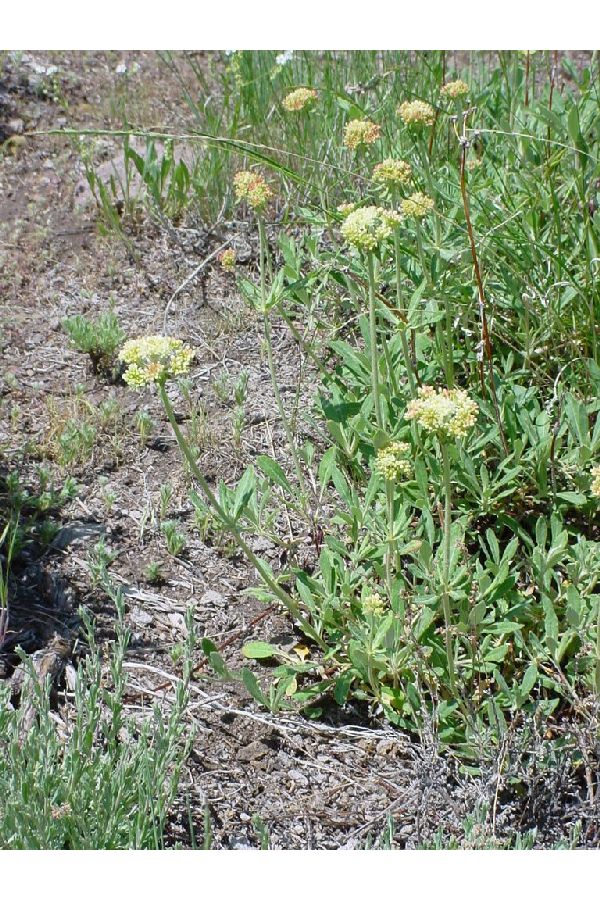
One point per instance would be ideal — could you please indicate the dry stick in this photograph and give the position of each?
(486, 344)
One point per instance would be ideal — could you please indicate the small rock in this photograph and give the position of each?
(178, 622)
(140, 616)
(17, 126)
(213, 598)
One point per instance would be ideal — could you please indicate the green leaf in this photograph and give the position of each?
(260, 650)
(274, 472)
(529, 679)
(253, 687)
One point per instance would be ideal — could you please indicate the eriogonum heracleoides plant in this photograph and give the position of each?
(448, 415)
(158, 360)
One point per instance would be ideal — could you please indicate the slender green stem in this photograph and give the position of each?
(412, 386)
(391, 544)
(446, 562)
(231, 525)
(373, 339)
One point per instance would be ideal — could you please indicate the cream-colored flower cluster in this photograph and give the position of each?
(252, 187)
(367, 227)
(392, 463)
(596, 481)
(416, 112)
(360, 131)
(417, 205)
(447, 413)
(298, 99)
(455, 89)
(227, 259)
(373, 605)
(154, 359)
(392, 172)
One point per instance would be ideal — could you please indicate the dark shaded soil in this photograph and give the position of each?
(314, 784)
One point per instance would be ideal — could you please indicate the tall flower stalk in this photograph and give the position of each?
(394, 467)
(448, 415)
(156, 360)
(365, 229)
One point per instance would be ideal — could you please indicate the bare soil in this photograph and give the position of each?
(327, 783)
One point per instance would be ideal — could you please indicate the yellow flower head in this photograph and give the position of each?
(367, 227)
(392, 172)
(417, 205)
(252, 187)
(455, 89)
(373, 605)
(360, 131)
(596, 481)
(391, 461)
(298, 99)
(416, 112)
(154, 359)
(447, 413)
(227, 259)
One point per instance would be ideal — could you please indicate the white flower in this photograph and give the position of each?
(121, 69)
(282, 58)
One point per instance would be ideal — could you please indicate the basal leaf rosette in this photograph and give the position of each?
(154, 360)
(365, 228)
(449, 414)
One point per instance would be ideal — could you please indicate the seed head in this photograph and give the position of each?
(154, 359)
(227, 259)
(360, 131)
(391, 462)
(392, 172)
(417, 205)
(447, 413)
(298, 99)
(367, 227)
(455, 89)
(252, 187)
(416, 112)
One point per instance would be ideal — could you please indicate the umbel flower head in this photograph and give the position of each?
(227, 259)
(392, 172)
(373, 605)
(392, 463)
(298, 99)
(446, 413)
(455, 89)
(596, 482)
(360, 131)
(154, 359)
(416, 112)
(253, 188)
(417, 205)
(367, 227)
